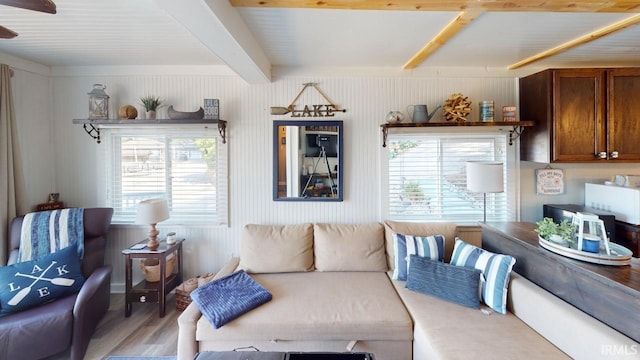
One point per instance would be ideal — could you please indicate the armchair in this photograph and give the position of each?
(69, 321)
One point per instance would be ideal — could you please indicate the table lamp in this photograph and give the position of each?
(485, 177)
(152, 211)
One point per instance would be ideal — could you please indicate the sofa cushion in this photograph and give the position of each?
(431, 247)
(31, 283)
(349, 247)
(275, 249)
(419, 229)
(495, 268)
(444, 330)
(319, 306)
(457, 284)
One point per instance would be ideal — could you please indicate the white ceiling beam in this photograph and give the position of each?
(220, 28)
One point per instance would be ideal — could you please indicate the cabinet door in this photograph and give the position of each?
(578, 107)
(623, 123)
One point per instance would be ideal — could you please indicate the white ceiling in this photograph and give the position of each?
(212, 32)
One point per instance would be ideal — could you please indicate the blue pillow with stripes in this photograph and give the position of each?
(495, 268)
(431, 247)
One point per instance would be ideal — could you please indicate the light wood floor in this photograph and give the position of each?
(144, 333)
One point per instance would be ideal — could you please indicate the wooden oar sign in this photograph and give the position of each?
(22, 293)
(323, 110)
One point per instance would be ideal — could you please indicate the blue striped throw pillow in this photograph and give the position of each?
(431, 247)
(495, 268)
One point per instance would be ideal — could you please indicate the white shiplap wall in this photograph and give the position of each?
(59, 157)
(73, 155)
(246, 107)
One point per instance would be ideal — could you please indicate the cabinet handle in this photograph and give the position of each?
(601, 155)
(614, 154)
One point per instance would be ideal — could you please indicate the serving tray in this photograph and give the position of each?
(620, 255)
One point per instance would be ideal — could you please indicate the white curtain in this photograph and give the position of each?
(12, 194)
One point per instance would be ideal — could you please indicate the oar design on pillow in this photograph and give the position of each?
(24, 292)
(55, 281)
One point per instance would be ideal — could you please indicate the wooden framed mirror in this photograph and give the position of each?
(307, 160)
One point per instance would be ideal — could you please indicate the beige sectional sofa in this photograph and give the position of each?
(332, 291)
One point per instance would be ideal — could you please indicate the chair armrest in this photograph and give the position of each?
(91, 304)
(92, 288)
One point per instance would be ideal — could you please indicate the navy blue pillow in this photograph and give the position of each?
(448, 282)
(27, 284)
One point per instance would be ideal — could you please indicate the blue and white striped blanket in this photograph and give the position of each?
(46, 232)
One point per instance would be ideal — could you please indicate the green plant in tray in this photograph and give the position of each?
(547, 228)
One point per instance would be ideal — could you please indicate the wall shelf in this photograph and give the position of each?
(514, 133)
(92, 126)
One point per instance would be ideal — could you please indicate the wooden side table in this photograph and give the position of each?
(152, 292)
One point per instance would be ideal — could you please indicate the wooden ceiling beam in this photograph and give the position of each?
(625, 6)
(449, 31)
(471, 9)
(46, 6)
(595, 35)
(6, 33)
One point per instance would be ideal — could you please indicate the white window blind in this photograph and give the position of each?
(427, 177)
(187, 167)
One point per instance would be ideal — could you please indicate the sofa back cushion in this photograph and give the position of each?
(349, 247)
(274, 249)
(419, 229)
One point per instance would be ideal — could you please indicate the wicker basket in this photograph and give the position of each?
(151, 268)
(183, 291)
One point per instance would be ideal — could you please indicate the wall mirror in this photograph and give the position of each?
(307, 160)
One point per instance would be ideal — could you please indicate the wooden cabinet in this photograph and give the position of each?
(628, 235)
(623, 121)
(581, 115)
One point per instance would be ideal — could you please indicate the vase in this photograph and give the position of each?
(150, 114)
(592, 246)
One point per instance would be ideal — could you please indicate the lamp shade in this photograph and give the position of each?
(485, 176)
(152, 211)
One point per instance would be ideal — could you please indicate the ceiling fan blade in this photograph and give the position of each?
(6, 33)
(46, 6)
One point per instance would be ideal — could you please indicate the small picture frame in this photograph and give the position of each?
(549, 181)
(212, 109)
(508, 113)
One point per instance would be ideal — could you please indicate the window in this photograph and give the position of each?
(427, 177)
(187, 167)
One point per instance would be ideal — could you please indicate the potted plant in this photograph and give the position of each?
(562, 233)
(151, 104)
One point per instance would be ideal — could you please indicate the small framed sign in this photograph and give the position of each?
(549, 181)
(212, 109)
